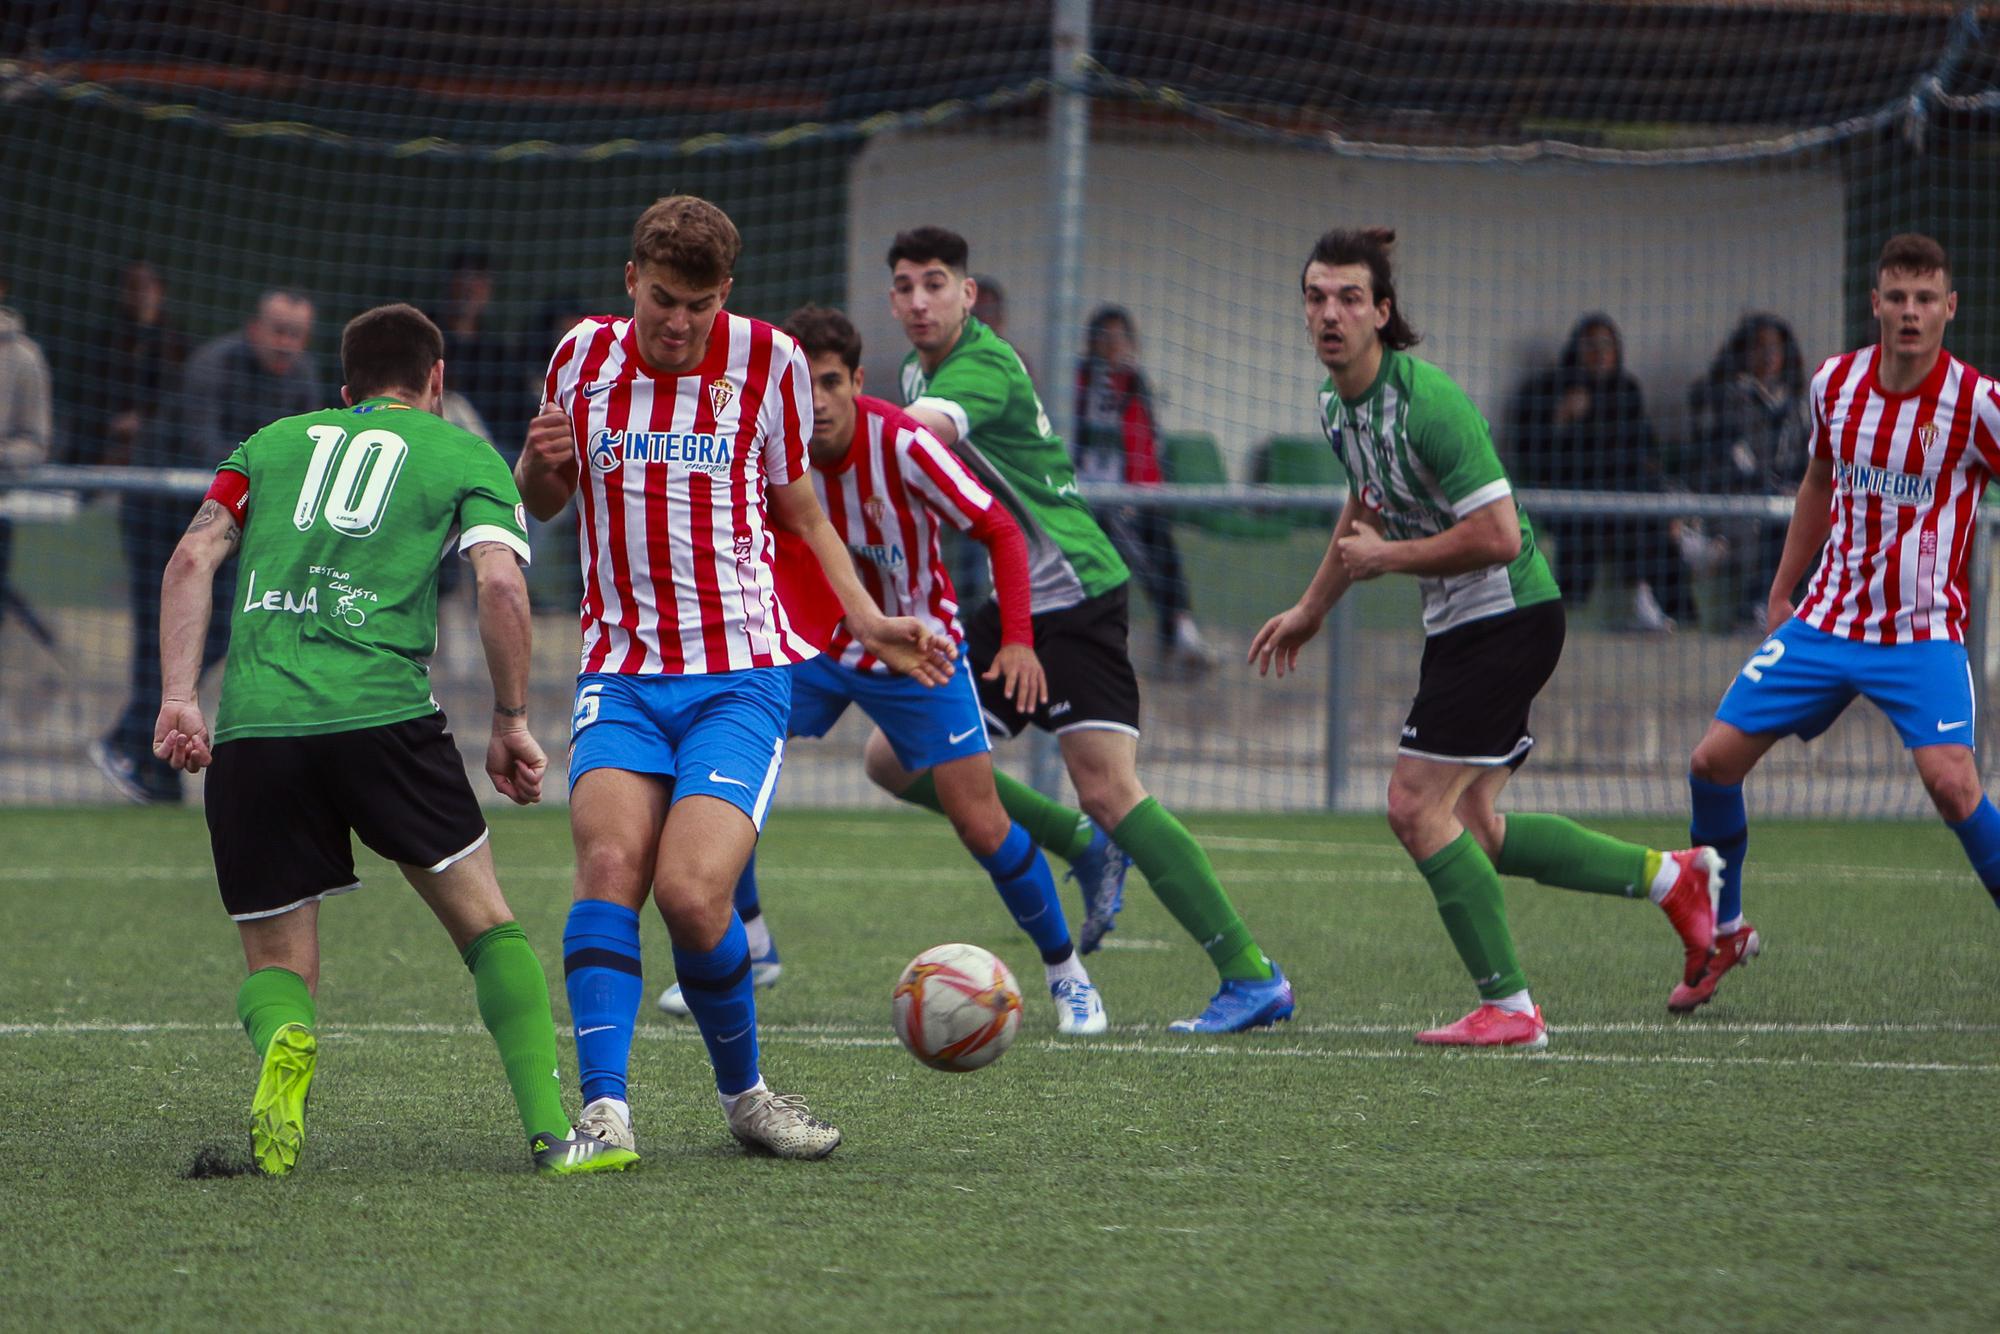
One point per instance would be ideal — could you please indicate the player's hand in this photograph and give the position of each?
(180, 735)
(1365, 552)
(909, 646)
(515, 762)
(550, 446)
(1776, 612)
(1020, 675)
(1281, 639)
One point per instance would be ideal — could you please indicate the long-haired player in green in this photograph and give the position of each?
(1427, 497)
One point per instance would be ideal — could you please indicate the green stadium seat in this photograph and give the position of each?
(1297, 460)
(1193, 458)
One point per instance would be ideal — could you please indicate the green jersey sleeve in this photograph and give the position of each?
(237, 461)
(490, 510)
(973, 390)
(1451, 439)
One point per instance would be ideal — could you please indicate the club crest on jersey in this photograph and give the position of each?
(1927, 437)
(721, 394)
(877, 510)
(1371, 496)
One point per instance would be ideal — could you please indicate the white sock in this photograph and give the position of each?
(1730, 927)
(759, 935)
(1072, 967)
(1518, 1003)
(620, 1106)
(1664, 879)
(729, 1100)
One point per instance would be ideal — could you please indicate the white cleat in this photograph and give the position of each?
(602, 1120)
(763, 972)
(1079, 1007)
(780, 1125)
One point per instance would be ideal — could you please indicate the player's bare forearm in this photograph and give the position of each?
(547, 472)
(1331, 581)
(1489, 536)
(1805, 537)
(187, 593)
(544, 491)
(937, 423)
(506, 631)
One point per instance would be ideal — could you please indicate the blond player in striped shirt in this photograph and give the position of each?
(1905, 437)
(682, 430)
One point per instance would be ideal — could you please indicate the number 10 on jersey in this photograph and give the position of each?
(354, 494)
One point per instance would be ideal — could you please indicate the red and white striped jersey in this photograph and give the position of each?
(885, 500)
(674, 535)
(1908, 473)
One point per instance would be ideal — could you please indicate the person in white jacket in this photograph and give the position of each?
(26, 420)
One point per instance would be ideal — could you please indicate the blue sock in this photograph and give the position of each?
(747, 906)
(601, 974)
(1721, 822)
(1980, 833)
(1021, 874)
(716, 987)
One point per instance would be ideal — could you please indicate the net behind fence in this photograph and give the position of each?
(1693, 188)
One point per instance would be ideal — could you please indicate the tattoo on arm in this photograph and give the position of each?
(507, 712)
(212, 513)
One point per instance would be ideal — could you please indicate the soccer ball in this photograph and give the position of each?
(957, 1007)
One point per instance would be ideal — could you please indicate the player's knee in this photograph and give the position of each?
(1410, 812)
(1956, 792)
(613, 873)
(1712, 764)
(982, 829)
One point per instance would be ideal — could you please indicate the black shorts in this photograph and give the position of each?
(1477, 684)
(1083, 650)
(281, 809)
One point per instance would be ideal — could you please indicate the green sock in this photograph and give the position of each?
(1180, 874)
(1556, 850)
(1054, 827)
(269, 999)
(514, 1005)
(1475, 914)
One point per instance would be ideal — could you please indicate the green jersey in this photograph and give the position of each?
(1004, 436)
(349, 512)
(1420, 458)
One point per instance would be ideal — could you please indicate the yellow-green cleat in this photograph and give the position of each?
(278, 1110)
(578, 1154)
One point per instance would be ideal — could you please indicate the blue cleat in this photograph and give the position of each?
(1241, 1005)
(1100, 874)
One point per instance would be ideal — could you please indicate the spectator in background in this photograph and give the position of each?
(1749, 423)
(1118, 440)
(27, 422)
(1582, 425)
(137, 365)
(483, 366)
(233, 386)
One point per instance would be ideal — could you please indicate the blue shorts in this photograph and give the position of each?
(925, 725)
(1801, 678)
(721, 735)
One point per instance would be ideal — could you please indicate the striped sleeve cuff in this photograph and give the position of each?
(492, 532)
(1480, 499)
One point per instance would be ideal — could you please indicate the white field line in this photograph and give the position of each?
(1330, 875)
(848, 1037)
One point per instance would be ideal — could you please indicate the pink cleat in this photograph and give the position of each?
(1740, 946)
(1491, 1026)
(1690, 905)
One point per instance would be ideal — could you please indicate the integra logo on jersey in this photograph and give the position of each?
(885, 555)
(1897, 488)
(697, 451)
